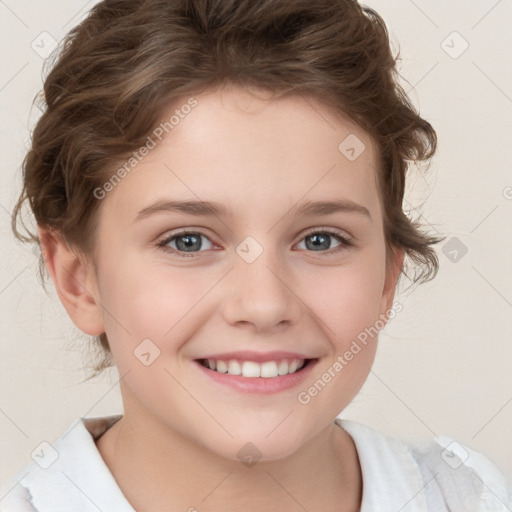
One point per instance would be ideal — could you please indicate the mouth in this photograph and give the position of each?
(253, 369)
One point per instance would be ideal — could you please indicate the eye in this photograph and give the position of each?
(321, 239)
(316, 239)
(185, 241)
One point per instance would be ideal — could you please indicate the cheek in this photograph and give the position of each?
(153, 301)
(347, 299)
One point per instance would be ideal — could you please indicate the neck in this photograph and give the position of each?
(166, 471)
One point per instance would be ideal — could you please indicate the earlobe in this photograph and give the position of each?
(74, 281)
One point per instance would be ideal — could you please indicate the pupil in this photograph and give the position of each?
(319, 242)
(191, 242)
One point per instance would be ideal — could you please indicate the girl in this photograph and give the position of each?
(218, 191)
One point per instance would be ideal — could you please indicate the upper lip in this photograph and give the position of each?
(257, 357)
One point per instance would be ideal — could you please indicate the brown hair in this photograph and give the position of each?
(117, 70)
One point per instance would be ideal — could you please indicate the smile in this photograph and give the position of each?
(253, 369)
(265, 377)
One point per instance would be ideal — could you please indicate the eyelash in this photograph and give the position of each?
(344, 241)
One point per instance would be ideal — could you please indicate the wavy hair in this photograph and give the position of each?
(115, 72)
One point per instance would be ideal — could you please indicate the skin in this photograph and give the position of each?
(176, 446)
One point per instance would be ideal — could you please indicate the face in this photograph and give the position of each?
(259, 279)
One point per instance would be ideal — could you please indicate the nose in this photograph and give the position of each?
(260, 295)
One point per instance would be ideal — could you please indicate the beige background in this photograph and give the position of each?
(443, 364)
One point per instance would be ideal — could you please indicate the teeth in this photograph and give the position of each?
(269, 369)
(283, 367)
(222, 367)
(252, 369)
(234, 367)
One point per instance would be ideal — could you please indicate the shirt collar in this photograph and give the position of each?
(391, 477)
(66, 485)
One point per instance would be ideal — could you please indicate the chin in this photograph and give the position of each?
(258, 446)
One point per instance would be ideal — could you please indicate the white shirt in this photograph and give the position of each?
(440, 475)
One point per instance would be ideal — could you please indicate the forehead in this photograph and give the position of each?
(249, 151)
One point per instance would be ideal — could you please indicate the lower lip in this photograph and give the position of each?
(263, 385)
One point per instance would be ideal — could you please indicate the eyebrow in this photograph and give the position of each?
(209, 208)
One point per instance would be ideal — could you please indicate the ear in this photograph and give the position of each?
(393, 268)
(74, 281)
